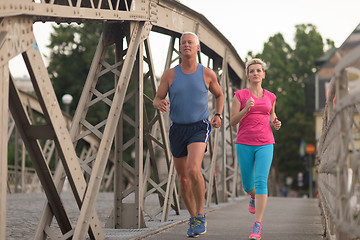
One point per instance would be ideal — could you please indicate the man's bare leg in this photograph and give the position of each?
(195, 157)
(185, 185)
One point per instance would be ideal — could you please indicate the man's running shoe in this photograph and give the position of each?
(190, 232)
(200, 224)
(256, 231)
(252, 205)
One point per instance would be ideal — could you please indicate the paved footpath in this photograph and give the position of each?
(285, 218)
(24, 210)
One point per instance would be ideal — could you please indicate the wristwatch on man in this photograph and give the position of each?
(220, 116)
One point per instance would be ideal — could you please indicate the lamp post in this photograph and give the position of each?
(310, 149)
(67, 99)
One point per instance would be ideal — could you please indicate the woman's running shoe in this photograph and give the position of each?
(252, 205)
(256, 231)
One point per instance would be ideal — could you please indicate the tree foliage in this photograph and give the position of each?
(72, 50)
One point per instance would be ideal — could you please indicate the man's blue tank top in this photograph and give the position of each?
(188, 95)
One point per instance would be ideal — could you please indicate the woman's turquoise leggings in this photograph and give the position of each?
(255, 162)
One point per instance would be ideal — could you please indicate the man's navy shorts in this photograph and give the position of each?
(181, 135)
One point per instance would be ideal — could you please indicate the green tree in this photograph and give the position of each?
(309, 47)
(72, 51)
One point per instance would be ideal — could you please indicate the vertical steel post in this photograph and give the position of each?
(4, 117)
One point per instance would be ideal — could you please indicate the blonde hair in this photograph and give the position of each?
(255, 61)
(197, 41)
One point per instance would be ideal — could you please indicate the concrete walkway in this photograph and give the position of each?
(285, 219)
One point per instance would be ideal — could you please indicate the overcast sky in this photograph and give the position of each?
(249, 24)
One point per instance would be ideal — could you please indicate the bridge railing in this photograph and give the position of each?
(339, 154)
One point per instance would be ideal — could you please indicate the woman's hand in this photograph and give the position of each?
(250, 103)
(276, 123)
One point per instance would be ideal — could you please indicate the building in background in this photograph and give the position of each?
(24, 84)
(327, 65)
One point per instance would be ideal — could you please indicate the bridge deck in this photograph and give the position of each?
(285, 218)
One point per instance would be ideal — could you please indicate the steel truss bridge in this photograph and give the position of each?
(91, 155)
(126, 28)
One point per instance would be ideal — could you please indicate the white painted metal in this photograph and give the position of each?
(4, 103)
(168, 17)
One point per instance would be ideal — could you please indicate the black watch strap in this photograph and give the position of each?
(218, 114)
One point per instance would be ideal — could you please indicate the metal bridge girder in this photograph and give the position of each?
(58, 130)
(165, 16)
(4, 105)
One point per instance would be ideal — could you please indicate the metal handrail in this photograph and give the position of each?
(339, 155)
